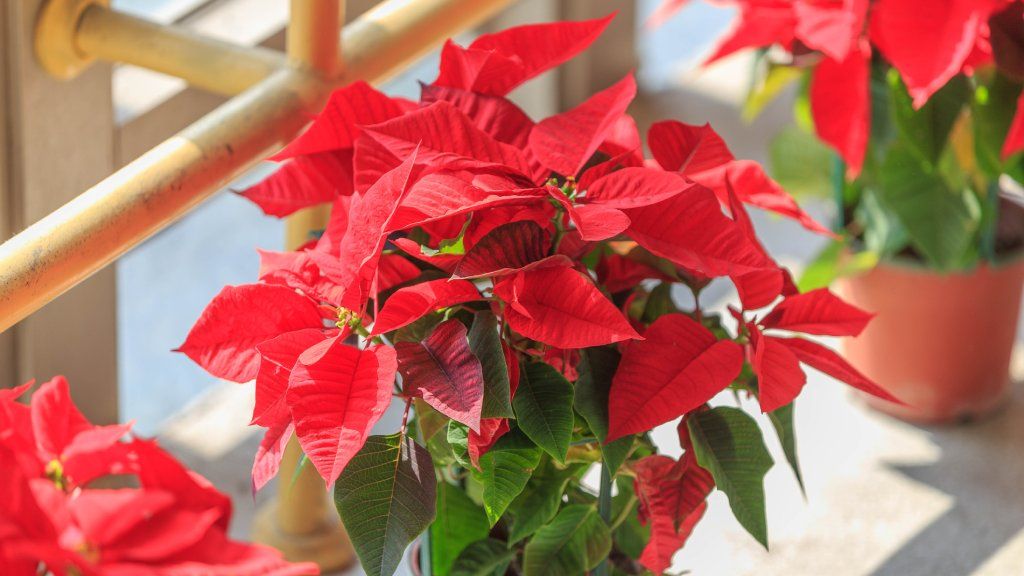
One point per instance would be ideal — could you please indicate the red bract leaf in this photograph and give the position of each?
(268, 456)
(658, 486)
(636, 187)
(949, 29)
(565, 142)
(759, 289)
(447, 194)
(623, 139)
(55, 418)
(337, 125)
(277, 357)
(833, 28)
(759, 24)
(223, 340)
(821, 358)
(106, 515)
(532, 48)
(411, 303)
(779, 376)
(841, 105)
(393, 270)
(448, 139)
(691, 230)
(156, 469)
(294, 186)
(618, 273)
(818, 312)
(678, 367)
(561, 308)
(1015, 137)
(444, 372)
(686, 148)
(664, 11)
(360, 249)
(446, 262)
(336, 394)
(505, 250)
(298, 271)
(495, 115)
(491, 429)
(598, 171)
(594, 222)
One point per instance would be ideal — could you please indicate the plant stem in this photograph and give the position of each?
(604, 508)
(426, 566)
(838, 191)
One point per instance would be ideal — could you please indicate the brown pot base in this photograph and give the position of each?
(940, 342)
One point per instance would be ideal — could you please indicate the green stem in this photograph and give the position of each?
(604, 508)
(988, 233)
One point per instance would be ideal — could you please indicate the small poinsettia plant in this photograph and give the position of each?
(921, 100)
(61, 511)
(510, 284)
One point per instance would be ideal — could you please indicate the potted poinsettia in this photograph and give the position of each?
(922, 102)
(60, 514)
(509, 283)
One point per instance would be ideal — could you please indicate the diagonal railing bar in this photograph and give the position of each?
(158, 188)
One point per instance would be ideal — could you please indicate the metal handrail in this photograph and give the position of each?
(88, 233)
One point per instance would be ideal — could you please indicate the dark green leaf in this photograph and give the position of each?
(459, 523)
(597, 368)
(418, 330)
(631, 537)
(728, 443)
(539, 501)
(782, 421)
(573, 543)
(941, 222)
(430, 421)
(505, 470)
(658, 303)
(926, 130)
(385, 497)
(483, 558)
(485, 342)
(884, 233)
(543, 406)
(993, 108)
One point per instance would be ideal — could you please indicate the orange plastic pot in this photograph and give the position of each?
(940, 342)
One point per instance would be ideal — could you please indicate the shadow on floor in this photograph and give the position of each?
(988, 508)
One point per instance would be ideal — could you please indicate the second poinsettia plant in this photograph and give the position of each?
(509, 282)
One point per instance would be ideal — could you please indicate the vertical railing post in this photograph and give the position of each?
(301, 522)
(58, 139)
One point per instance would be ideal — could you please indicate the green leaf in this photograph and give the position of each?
(573, 543)
(631, 537)
(597, 368)
(728, 443)
(539, 502)
(459, 523)
(385, 497)
(505, 470)
(658, 303)
(800, 163)
(458, 440)
(926, 130)
(543, 406)
(430, 421)
(485, 342)
(487, 557)
(884, 233)
(782, 421)
(418, 330)
(993, 108)
(941, 222)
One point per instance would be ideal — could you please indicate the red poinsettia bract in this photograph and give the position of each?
(51, 515)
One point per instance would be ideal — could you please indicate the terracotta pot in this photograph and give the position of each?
(941, 342)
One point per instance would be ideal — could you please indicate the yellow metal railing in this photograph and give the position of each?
(277, 98)
(274, 97)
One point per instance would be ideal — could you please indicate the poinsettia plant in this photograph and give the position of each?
(510, 283)
(921, 100)
(61, 512)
